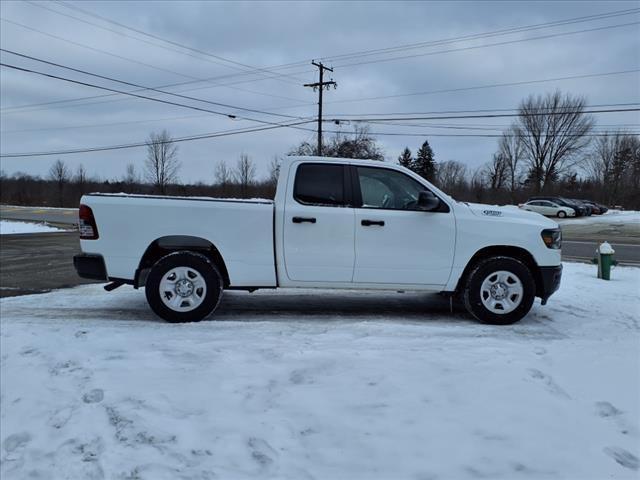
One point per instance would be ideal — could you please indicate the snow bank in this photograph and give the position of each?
(611, 216)
(11, 227)
(35, 207)
(337, 385)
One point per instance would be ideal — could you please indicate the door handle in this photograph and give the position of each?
(303, 219)
(368, 223)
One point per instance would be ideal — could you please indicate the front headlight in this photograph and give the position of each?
(552, 238)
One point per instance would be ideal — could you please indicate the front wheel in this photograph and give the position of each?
(183, 287)
(562, 214)
(499, 291)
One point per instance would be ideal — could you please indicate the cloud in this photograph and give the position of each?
(275, 33)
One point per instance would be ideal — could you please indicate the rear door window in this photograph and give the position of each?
(320, 184)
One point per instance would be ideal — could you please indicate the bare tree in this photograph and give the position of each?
(245, 173)
(162, 163)
(81, 178)
(451, 174)
(59, 173)
(274, 170)
(496, 172)
(553, 129)
(477, 184)
(358, 145)
(130, 175)
(614, 164)
(511, 149)
(223, 175)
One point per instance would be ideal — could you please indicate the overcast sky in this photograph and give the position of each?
(229, 38)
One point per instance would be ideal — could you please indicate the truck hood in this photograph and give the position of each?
(510, 213)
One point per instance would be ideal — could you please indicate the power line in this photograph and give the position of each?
(508, 42)
(475, 47)
(476, 135)
(111, 79)
(494, 115)
(372, 121)
(297, 126)
(7, 110)
(142, 144)
(109, 124)
(494, 85)
(94, 49)
(113, 90)
(251, 68)
(250, 130)
(483, 127)
(294, 125)
(508, 31)
(431, 43)
(482, 110)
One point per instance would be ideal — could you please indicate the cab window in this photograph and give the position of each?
(320, 184)
(388, 189)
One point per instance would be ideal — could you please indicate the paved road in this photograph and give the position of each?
(585, 250)
(36, 263)
(61, 216)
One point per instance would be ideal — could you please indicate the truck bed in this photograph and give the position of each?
(241, 230)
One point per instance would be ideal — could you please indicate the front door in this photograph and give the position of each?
(319, 225)
(396, 242)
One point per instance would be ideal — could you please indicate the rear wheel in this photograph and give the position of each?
(183, 287)
(562, 214)
(499, 290)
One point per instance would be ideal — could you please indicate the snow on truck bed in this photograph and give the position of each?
(190, 197)
(330, 385)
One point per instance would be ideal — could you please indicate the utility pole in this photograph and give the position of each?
(320, 86)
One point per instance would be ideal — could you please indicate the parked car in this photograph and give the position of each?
(334, 223)
(582, 203)
(548, 208)
(597, 208)
(580, 210)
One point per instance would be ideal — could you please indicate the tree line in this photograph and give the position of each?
(552, 147)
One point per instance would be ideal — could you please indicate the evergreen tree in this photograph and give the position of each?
(425, 165)
(406, 159)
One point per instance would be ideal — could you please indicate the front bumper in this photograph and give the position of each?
(550, 277)
(90, 266)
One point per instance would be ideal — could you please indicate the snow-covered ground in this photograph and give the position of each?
(340, 385)
(611, 216)
(11, 227)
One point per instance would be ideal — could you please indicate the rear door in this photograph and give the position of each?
(547, 208)
(396, 242)
(536, 206)
(319, 224)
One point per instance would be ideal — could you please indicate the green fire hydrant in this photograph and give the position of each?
(604, 259)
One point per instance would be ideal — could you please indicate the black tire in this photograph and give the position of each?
(561, 214)
(482, 270)
(192, 260)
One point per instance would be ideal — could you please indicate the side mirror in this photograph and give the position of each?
(427, 201)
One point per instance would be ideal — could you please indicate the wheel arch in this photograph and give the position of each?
(172, 243)
(518, 253)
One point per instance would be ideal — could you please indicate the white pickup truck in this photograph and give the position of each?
(334, 223)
